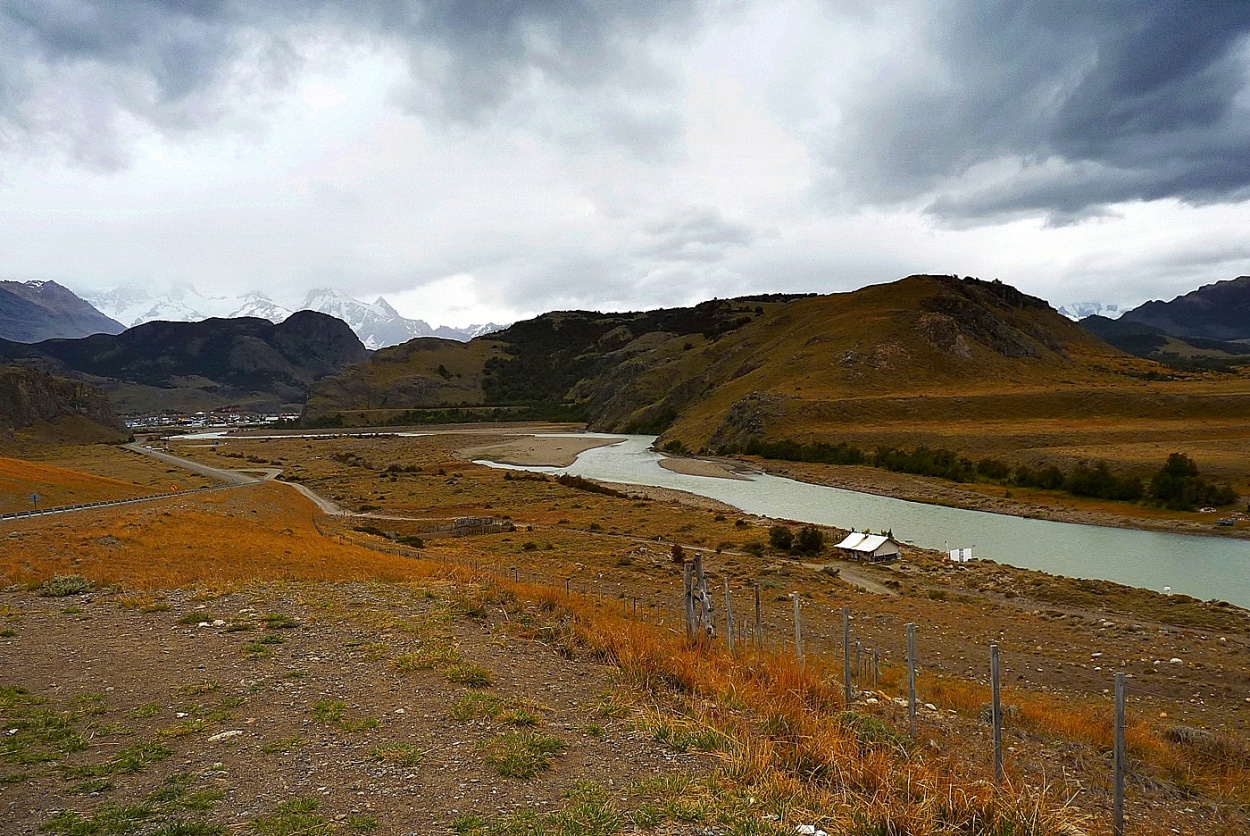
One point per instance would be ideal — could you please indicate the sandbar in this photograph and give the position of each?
(538, 451)
(701, 467)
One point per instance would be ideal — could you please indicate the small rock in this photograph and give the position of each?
(224, 735)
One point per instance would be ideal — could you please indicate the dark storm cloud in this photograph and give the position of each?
(1004, 108)
(73, 71)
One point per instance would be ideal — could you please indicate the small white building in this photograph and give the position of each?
(870, 547)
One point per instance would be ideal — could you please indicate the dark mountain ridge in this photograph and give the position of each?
(1219, 311)
(202, 365)
(35, 311)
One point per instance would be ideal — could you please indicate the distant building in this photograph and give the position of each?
(870, 547)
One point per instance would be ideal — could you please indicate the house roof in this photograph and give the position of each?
(863, 542)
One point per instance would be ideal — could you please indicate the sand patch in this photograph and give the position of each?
(701, 467)
(538, 451)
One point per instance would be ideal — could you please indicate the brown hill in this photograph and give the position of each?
(34, 402)
(728, 370)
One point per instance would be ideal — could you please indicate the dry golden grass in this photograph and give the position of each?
(55, 486)
(777, 727)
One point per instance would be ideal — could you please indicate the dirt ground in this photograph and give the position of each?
(239, 708)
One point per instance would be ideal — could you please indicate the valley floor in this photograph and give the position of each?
(247, 610)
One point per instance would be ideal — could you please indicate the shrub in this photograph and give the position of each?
(811, 540)
(780, 538)
(63, 586)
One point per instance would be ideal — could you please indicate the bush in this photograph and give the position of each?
(1179, 487)
(63, 586)
(811, 540)
(780, 538)
(678, 554)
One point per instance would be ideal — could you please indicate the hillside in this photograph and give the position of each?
(64, 410)
(730, 369)
(187, 366)
(34, 311)
(1219, 311)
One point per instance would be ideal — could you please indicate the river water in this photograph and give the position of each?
(1204, 567)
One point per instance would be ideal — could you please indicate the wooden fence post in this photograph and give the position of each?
(1117, 811)
(911, 679)
(996, 715)
(688, 599)
(876, 668)
(729, 621)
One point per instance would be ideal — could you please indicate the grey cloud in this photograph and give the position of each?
(174, 64)
(1097, 103)
(697, 235)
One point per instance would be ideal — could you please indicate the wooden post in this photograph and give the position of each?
(847, 690)
(567, 583)
(635, 608)
(1117, 810)
(859, 670)
(996, 715)
(729, 621)
(688, 599)
(705, 600)
(516, 575)
(798, 629)
(911, 679)
(876, 668)
(759, 624)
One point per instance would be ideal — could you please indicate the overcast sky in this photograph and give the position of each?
(478, 160)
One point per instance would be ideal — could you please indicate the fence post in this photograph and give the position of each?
(729, 621)
(567, 583)
(759, 624)
(876, 668)
(1117, 813)
(516, 575)
(996, 715)
(847, 689)
(688, 599)
(911, 679)
(798, 629)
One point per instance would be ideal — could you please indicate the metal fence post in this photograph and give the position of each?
(798, 630)
(1117, 813)
(996, 715)
(848, 691)
(911, 678)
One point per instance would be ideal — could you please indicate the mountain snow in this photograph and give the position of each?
(377, 324)
(1080, 310)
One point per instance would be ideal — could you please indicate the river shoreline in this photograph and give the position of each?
(949, 495)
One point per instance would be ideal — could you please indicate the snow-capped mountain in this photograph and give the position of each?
(135, 305)
(260, 305)
(377, 324)
(1079, 310)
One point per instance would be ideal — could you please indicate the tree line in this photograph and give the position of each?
(1177, 485)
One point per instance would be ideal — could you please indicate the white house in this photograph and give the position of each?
(871, 547)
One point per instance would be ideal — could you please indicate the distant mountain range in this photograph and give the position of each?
(190, 366)
(1209, 324)
(33, 311)
(378, 324)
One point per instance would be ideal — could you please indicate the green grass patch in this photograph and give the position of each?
(286, 744)
(63, 586)
(297, 817)
(469, 673)
(520, 755)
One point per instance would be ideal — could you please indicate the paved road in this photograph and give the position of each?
(230, 477)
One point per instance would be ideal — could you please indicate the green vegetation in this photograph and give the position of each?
(63, 586)
(520, 755)
(1177, 486)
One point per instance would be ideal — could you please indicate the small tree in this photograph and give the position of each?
(678, 554)
(811, 540)
(780, 538)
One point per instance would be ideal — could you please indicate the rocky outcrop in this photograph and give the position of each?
(28, 397)
(747, 419)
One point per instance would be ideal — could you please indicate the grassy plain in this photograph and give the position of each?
(783, 743)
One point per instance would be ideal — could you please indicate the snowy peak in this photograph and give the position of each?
(260, 305)
(377, 324)
(1077, 311)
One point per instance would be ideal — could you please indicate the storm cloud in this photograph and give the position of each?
(992, 109)
(495, 158)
